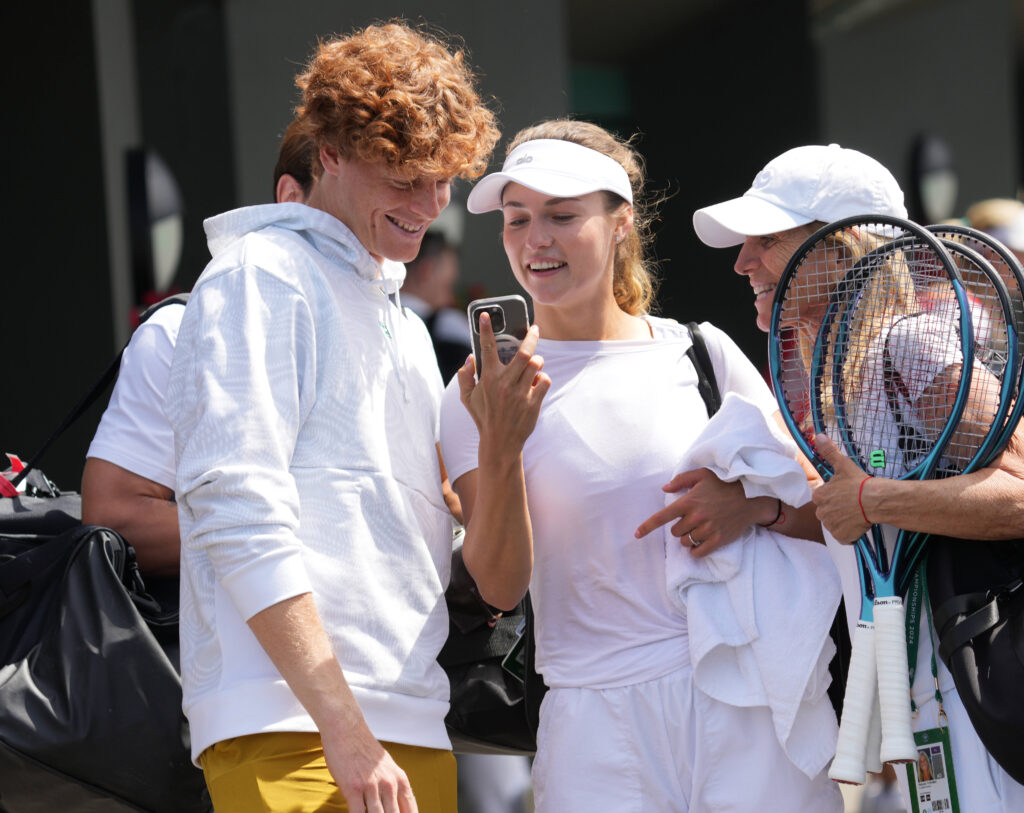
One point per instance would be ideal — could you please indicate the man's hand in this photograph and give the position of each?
(839, 500)
(292, 635)
(367, 776)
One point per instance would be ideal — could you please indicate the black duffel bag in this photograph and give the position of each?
(90, 704)
(495, 690)
(976, 591)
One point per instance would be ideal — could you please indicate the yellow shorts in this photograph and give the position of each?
(286, 773)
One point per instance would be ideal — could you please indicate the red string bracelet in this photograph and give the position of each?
(779, 516)
(860, 492)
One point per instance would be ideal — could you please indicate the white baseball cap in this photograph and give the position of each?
(800, 186)
(554, 167)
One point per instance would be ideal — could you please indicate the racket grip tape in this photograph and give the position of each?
(872, 758)
(893, 680)
(861, 680)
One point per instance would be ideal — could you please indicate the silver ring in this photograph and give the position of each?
(694, 543)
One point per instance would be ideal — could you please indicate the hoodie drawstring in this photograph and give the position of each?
(394, 329)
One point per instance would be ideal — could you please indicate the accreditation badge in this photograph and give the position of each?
(932, 783)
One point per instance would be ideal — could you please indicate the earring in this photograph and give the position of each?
(618, 238)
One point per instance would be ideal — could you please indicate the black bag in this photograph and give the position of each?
(90, 705)
(90, 702)
(976, 592)
(492, 711)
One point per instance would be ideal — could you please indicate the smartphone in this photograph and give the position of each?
(509, 320)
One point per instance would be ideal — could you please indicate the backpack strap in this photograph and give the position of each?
(106, 377)
(707, 385)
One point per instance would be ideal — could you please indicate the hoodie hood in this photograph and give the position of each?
(326, 233)
(329, 237)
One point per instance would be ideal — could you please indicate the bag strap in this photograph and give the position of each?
(977, 618)
(707, 385)
(97, 389)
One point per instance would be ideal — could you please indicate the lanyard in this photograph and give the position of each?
(917, 594)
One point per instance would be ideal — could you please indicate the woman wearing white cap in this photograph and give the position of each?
(795, 194)
(560, 454)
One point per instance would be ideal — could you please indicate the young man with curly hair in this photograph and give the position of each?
(315, 538)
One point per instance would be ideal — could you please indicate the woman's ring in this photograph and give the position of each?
(694, 543)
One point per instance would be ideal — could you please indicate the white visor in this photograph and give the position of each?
(553, 167)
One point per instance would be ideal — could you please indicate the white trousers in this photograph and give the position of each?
(664, 747)
(981, 785)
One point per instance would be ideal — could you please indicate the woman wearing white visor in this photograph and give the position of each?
(795, 194)
(651, 646)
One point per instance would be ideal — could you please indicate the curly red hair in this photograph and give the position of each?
(396, 95)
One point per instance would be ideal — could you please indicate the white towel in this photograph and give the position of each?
(767, 646)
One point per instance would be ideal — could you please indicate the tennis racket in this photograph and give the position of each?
(992, 410)
(1011, 272)
(837, 301)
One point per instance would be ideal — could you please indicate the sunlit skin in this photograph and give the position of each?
(562, 252)
(386, 210)
(762, 259)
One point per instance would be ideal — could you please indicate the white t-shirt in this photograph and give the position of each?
(134, 432)
(613, 427)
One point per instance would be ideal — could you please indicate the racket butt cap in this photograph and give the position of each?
(847, 773)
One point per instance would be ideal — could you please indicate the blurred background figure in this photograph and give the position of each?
(881, 794)
(1003, 218)
(429, 290)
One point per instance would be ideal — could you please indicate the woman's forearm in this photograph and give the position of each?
(498, 545)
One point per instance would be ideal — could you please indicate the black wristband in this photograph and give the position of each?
(778, 515)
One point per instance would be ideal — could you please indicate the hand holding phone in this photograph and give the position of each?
(510, 322)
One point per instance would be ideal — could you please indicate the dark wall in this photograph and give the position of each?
(715, 102)
(55, 299)
(185, 111)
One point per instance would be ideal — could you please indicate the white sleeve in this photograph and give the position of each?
(460, 440)
(243, 378)
(734, 371)
(133, 432)
(921, 347)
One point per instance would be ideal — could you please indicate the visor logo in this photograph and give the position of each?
(525, 159)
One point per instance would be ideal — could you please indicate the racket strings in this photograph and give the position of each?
(818, 275)
(992, 336)
(1001, 261)
(1010, 274)
(898, 360)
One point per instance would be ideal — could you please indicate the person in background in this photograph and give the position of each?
(315, 538)
(1003, 218)
(795, 194)
(128, 479)
(429, 290)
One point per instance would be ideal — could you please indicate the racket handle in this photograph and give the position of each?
(848, 766)
(893, 680)
(872, 760)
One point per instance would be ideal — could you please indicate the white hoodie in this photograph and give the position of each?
(304, 404)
